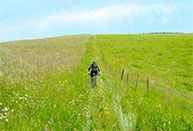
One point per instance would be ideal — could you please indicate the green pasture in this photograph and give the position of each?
(44, 83)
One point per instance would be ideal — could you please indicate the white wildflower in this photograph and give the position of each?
(1, 104)
(1, 118)
(12, 110)
(5, 109)
(5, 113)
(6, 120)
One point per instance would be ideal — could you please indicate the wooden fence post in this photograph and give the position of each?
(127, 78)
(122, 74)
(103, 58)
(112, 69)
(137, 81)
(147, 85)
(166, 96)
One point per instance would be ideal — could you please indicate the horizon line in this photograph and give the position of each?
(154, 33)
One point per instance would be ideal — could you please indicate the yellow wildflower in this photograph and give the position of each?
(81, 95)
(105, 108)
(106, 112)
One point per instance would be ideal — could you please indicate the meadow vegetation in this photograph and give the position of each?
(44, 83)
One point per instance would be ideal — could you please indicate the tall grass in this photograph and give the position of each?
(44, 83)
(162, 58)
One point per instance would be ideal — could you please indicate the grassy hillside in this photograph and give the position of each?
(162, 58)
(44, 83)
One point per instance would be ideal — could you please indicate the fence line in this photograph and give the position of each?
(156, 88)
(137, 81)
(122, 74)
(149, 84)
(103, 57)
(166, 96)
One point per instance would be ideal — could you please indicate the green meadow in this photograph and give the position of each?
(44, 83)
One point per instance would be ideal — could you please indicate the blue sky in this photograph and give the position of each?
(31, 19)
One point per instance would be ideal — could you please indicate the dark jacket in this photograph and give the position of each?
(93, 68)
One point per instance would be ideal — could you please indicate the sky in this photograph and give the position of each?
(32, 19)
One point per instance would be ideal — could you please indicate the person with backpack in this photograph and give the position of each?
(95, 71)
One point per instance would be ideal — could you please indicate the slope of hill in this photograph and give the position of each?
(44, 83)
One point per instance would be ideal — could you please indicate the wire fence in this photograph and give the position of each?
(162, 89)
(142, 81)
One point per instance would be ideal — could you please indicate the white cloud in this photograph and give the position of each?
(113, 13)
(99, 17)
